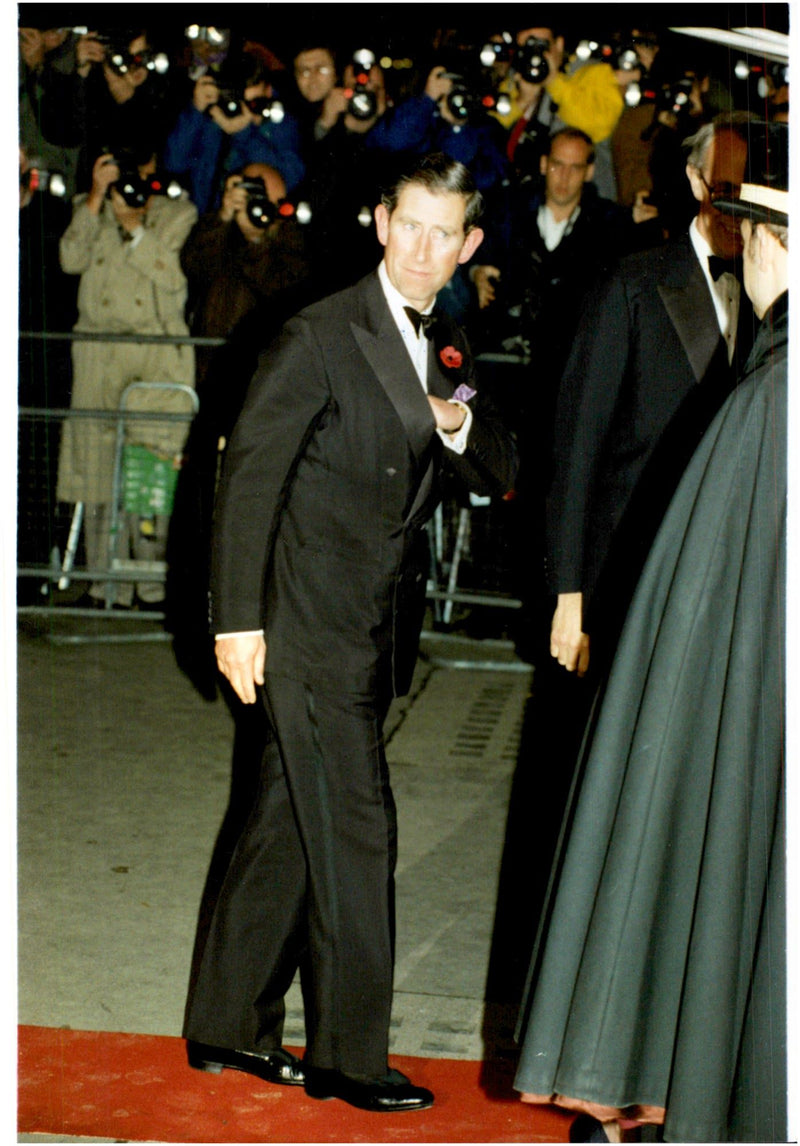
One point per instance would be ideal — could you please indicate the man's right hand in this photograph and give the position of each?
(105, 173)
(241, 659)
(438, 84)
(234, 199)
(482, 276)
(88, 50)
(568, 642)
(206, 93)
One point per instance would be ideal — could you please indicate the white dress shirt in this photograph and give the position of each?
(417, 347)
(725, 292)
(552, 231)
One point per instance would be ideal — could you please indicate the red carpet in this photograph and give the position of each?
(140, 1088)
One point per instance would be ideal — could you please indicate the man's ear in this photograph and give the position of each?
(471, 244)
(382, 224)
(543, 161)
(695, 182)
(589, 174)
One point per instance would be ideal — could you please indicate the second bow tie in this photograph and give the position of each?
(423, 322)
(718, 266)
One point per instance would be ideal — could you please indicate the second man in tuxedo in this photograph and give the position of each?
(661, 343)
(318, 592)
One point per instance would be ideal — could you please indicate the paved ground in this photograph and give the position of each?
(124, 779)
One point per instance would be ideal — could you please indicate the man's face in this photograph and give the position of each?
(722, 175)
(424, 242)
(314, 73)
(565, 171)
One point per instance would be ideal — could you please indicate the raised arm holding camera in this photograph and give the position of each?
(124, 241)
(432, 121)
(234, 118)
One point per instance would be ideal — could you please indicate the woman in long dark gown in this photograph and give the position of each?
(657, 987)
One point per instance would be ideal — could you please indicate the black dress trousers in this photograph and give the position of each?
(310, 884)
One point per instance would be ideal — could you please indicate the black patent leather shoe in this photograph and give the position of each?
(273, 1066)
(389, 1094)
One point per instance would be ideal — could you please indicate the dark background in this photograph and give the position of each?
(402, 30)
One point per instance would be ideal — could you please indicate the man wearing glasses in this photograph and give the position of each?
(660, 344)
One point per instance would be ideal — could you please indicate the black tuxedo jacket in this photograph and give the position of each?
(329, 478)
(647, 371)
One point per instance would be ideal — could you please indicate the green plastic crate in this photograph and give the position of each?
(148, 481)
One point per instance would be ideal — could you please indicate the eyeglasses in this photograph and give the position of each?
(721, 190)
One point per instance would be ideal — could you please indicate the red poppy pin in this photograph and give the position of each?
(451, 357)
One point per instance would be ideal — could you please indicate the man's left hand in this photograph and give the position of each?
(449, 417)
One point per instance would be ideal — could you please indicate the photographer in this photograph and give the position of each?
(47, 129)
(120, 92)
(314, 70)
(431, 122)
(248, 271)
(342, 239)
(243, 257)
(124, 241)
(358, 103)
(555, 92)
(234, 119)
(646, 144)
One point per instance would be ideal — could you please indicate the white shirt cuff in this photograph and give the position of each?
(244, 633)
(458, 442)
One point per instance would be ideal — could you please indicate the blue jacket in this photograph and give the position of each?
(200, 152)
(417, 127)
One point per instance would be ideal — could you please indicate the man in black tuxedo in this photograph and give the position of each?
(318, 591)
(652, 359)
(660, 345)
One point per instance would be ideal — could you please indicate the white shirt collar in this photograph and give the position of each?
(702, 248)
(553, 232)
(725, 292)
(397, 303)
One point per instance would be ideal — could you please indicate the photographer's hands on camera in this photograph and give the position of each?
(91, 50)
(234, 209)
(105, 174)
(337, 102)
(205, 99)
(438, 87)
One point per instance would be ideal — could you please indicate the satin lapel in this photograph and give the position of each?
(384, 350)
(691, 311)
(440, 384)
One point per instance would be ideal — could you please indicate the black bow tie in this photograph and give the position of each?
(718, 266)
(423, 322)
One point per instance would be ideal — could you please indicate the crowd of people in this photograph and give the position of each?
(197, 183)
(631, 260)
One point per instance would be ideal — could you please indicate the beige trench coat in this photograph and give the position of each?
(125, 288)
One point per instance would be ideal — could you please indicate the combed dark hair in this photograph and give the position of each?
(573, 133)
(439, 174)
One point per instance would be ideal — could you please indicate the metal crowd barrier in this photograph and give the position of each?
(470, 563)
